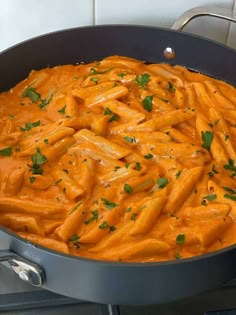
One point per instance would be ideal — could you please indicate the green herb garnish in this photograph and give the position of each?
(142, 79)
(109, 204)
(162, 182)
(180, 239)
(29, 125)
(128, 189)
(147, 103)
(207, 138)
(62, 110)
(6, 151)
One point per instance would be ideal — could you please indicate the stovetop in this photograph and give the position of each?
(19, 298)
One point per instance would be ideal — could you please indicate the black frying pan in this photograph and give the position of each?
(113, 282)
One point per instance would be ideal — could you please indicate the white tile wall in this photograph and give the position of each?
(23, 19)
(20, 20)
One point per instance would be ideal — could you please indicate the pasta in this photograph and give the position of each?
(120, 160)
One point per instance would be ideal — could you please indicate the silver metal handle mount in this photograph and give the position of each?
(25, 269)
(186, 17)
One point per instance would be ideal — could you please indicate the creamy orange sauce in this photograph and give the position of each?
(119, 160)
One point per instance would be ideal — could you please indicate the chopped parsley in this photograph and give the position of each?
(113, 118)
(228, 196)
(177, 256)
(213, 171)
(58, 181)
(29, 125)
(142, 79)
(138, 166)
(148, 156)
(116, 168)
(31, 93)
(127, 165)
(133, 217)
(128, 189)
(38, 159)
(129, 139)
(94, 217)
(62, 110)
(180, 239)
(32, 179)
(162, 182)
(171, 86)
(107, 111)
(76, 207)
(210, 197)
(147, 103)
(207, 138)
(231, 167)
(121, 75)
(45, 102)
(45, 141)
(109, 204)
(128, 210)
(226, 137)
(178, 173)
(95, 80)
(6, 151)
(105, 225)
(229, 190)
(75, 239)
(94, 71)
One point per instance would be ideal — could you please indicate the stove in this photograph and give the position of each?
(19, 298)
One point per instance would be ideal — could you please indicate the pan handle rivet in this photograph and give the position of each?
(24, 275)
(169, 53)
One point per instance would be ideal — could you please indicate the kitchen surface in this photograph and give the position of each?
(22, 20)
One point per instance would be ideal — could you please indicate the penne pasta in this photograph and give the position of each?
(119, 160)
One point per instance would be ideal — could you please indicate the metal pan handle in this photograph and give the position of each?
(25, 269)
(186, 17)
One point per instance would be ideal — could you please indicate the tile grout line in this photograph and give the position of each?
(230, 24)
(94, 12)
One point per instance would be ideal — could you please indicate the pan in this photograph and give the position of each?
(104, 281)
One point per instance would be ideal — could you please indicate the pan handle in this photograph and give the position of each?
(186, 17)
(25, 269)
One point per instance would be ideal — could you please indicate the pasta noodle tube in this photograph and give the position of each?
(21, 222)
(216, 148)
(72, 107)
(38, 182)
(172, 118)
(54, 152)
(114, 239)
(205, 213)
(182, 188)
(111, 149)
(99, 125)
(72, 222)
(208, 231)
(98, 97)
(54, 136)
(148, 216)
(67, 184)
(46, 242)
(227, 144)
(122, 110)
(42, 209)
(218, 121)
(14, 182)
(103, 226)
(96, 154)
(145, 249)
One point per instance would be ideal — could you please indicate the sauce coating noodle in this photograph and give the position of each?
(120, 160)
